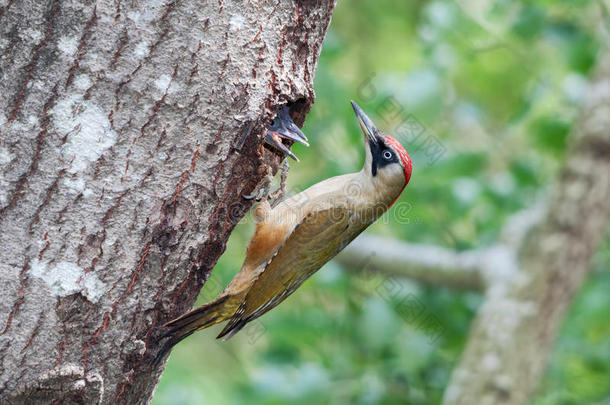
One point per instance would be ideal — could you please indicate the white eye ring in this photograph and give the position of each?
(387, 155)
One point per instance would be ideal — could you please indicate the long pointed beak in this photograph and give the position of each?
(283, 127)
(288, 129)
(275, 140)
(369, 130)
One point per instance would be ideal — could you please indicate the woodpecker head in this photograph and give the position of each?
(387, 162)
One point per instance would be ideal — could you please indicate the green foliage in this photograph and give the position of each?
(498, 85)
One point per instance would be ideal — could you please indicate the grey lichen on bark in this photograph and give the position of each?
(128, 133)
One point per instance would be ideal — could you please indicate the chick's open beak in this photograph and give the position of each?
(282, 127)
(292, 131)
(369, 130)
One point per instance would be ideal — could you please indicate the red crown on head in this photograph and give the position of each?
(404, 156)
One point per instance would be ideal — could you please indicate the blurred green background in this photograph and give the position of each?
(498, 86)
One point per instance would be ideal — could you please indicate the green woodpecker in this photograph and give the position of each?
(298, 236)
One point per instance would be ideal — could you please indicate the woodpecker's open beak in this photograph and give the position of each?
(282, 126)
(369, 130)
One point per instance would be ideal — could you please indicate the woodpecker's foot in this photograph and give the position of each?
(277, 195)
(282, 127)
(261, 193)
(264, 193)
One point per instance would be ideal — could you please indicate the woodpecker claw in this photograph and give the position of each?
(282, 126)
(278, 194)
(261, 193)
(265, 193)
(251, 196)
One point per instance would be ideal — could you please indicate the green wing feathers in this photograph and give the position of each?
(314, 241)
(319, 237)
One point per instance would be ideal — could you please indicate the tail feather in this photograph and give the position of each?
(197, 319)
(202, 316)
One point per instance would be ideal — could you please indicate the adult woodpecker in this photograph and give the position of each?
(298, 236)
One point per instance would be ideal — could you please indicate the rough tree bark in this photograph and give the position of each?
(128, 133)
(529, 277)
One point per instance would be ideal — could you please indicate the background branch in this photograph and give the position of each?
(424, 263)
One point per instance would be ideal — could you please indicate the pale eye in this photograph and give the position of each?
(387, 155)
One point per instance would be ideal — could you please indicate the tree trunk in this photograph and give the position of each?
(513, 333)
(127, 138)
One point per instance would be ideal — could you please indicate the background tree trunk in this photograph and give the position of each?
(513, 333)
(127, 137)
